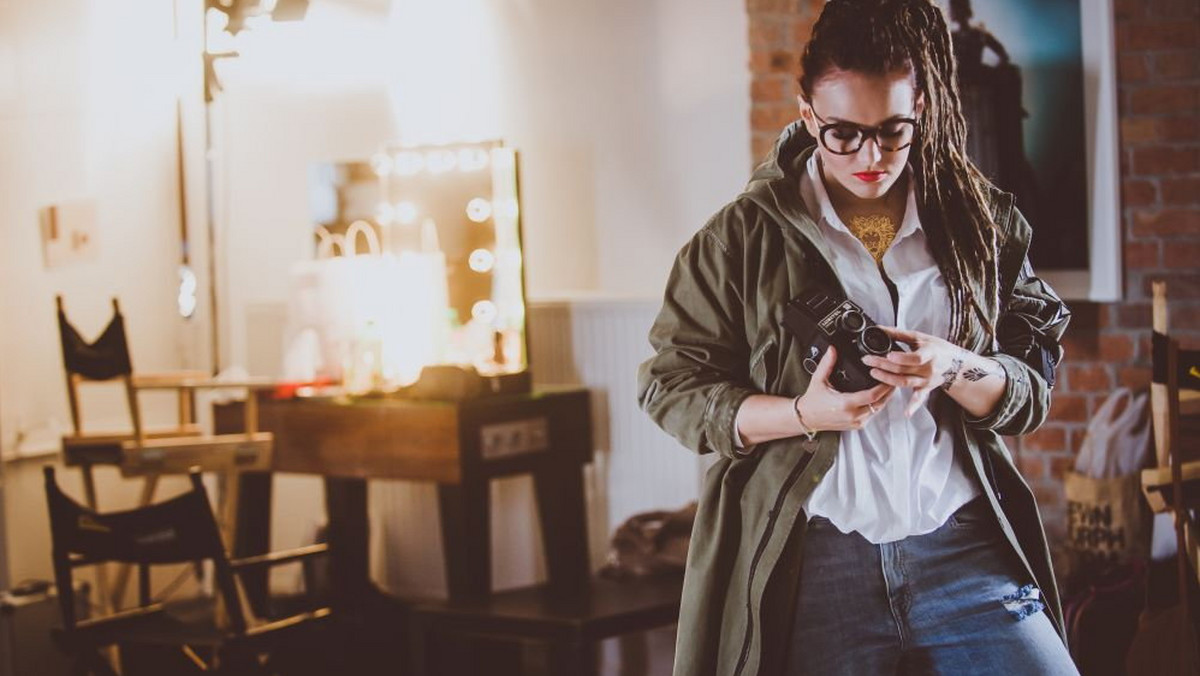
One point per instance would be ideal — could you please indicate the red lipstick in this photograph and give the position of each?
(870, 176)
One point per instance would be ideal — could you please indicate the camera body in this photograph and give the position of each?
(819, 320)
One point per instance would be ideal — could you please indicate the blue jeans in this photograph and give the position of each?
(954, 601)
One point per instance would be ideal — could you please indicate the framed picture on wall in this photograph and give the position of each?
(1038, 90)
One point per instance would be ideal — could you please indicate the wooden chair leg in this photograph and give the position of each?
(73, 401)
(135, 412)
(187, 406)
(227, 509)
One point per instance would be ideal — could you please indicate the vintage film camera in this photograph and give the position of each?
(819, 320)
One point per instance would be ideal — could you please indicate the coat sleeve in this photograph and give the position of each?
(1029, 334)
(698, 377)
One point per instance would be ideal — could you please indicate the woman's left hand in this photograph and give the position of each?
(933, 362)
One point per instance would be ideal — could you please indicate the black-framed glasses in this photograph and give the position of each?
(845, 138)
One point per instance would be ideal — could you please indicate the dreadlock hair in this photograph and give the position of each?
(877, 37)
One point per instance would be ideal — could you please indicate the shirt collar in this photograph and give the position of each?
(816, 198)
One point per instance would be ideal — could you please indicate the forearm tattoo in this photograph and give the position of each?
(950, 374)
(974, 374)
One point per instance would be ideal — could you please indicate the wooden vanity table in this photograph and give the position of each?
(460, 446)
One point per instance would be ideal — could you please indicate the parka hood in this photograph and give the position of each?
(775, 183)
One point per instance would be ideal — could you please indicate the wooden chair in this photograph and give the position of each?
(181, 529)
(138, 451)
(1166, 640)
(1174, 484)
(103, 360)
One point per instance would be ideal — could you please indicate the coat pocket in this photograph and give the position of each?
(760, 362)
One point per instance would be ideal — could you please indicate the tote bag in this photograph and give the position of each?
(1107, 520)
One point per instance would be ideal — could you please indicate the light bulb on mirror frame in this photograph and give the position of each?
(479, 210)
(381, 164)
(484, 311)
(482, 260)
(384, 213)
(440, 161)
(406, 213)
(407, 162)
(472, 159)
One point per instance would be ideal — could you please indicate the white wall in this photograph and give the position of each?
(633, 120)
(87, 110)
(85, 116)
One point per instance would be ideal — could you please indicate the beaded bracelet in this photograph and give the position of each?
(809, 433)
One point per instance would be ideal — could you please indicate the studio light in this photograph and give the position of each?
(241, 11)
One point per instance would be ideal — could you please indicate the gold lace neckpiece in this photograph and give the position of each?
(876, 232)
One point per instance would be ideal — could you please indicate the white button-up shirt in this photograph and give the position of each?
(896, 476)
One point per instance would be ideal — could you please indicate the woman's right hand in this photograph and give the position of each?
(824, 408)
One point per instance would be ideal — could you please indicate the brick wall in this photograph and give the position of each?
(778, 31)
(1158, 53)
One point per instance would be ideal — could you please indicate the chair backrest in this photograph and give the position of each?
(1169, 381)
(104, 358)
(1167, 356)
(177, 530)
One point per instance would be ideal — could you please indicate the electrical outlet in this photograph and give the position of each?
(518, 437)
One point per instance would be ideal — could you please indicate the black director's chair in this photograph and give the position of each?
(179, 530)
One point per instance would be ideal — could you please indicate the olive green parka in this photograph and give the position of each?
(720, 338)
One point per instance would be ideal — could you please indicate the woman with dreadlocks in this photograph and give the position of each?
(864, 516)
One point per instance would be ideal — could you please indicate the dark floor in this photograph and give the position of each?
(356, 653)
(646, 654)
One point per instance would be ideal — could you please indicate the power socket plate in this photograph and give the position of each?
(516, 437)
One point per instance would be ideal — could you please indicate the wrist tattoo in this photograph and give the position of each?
(975, 373)
(951, 373)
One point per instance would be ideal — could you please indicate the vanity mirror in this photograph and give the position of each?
(417, 263)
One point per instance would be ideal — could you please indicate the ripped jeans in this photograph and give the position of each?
(954, 601)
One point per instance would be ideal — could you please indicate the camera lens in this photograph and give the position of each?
(853, 321)
(874, 341)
